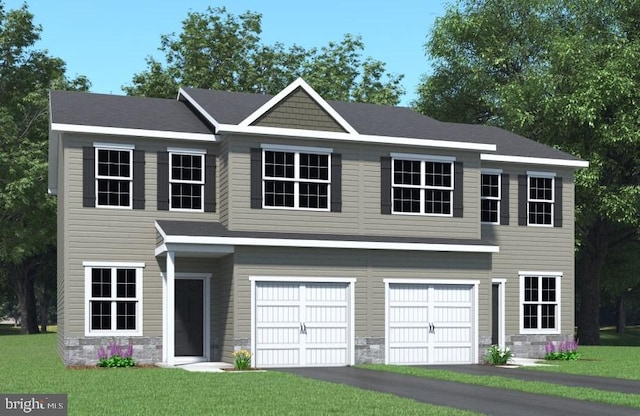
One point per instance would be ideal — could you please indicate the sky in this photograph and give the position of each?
(109, 40)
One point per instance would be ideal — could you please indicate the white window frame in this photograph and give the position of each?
(121, 148)
(297, 150)
(114, 266)
(423, 187)
(544, 175)
(558, 302)
(492, 172)
(186, 152)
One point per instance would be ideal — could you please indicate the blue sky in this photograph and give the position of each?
(108, 40)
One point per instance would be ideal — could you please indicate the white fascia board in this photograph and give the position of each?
(535, 160)
(364, 245)
(200, 109)
(54, 148)
(361, 138)
(298, 83)
(119, 131)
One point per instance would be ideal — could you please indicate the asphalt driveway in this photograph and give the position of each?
(487, 400)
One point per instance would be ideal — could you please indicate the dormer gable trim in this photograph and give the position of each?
(193, 103)
(282, 95)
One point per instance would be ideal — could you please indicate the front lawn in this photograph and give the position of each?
(30, 365)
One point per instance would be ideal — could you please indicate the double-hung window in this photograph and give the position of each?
(114, 176)
(540, 198)
(113, 293)
(186, 180)
(296, 178)
(490, 196)
(422, 185)
(540, 302)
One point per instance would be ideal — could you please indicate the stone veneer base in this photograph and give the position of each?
(84, 350)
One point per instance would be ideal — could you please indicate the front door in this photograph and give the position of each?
(189, 318)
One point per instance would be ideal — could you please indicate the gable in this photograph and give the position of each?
(299, 110)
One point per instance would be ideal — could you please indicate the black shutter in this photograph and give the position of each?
(504, 199)
(458, 189)
(336, 183)
(163, 181)
(209, 183)
(385, 185)
(522, 199)
(138, 179)
(256, 178)
(88, 177)
(557, 206)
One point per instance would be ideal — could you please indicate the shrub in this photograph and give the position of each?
(498, 356)
(116, 355)
(242, 359)
(565, 350)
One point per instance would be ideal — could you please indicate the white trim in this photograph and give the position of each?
(197, 106)
(201, 183)
(193, 249)
(299, 149)
(475, 285)
(490, 171)
(538, 174)
(114, 146)
(298, 83)
(302, 134)
(538, 273)
(366, 245)
(88, 267)
(501, 283)
(186, 151)
(121, 131)
(107, 264)
(534, 160)
(558, 303)
(302, 279)
(467, 282)
(425, 158)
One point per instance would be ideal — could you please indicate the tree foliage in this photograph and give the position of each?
(27, 213)
(221, 51)
(565, 73)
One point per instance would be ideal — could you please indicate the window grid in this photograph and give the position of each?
(296, 179)
(114, 178)
(186, 182)
(114, 299)
(540, 306)
(540, 200)
(422, 187)
(490, 196)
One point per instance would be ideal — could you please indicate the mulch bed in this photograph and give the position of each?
(95, 367)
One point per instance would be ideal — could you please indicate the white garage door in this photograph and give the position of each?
(430, 323)
(302, 324)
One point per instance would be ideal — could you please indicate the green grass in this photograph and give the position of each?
(630, 337)
(30, 365)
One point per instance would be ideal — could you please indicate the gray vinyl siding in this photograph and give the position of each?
(222, 309)
(299, 111)
(361, 196)
(115, 235)
(223, 181)
(543, 249)
(61, 259)
(368, 267)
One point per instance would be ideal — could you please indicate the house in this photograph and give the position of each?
(311, 232)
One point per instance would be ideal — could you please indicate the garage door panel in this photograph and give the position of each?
(302, 324)
(278, 357)
(278, 314)
(270, 336)
(314, 314)
(429, 323)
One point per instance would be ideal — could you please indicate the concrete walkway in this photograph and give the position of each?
(487, 400)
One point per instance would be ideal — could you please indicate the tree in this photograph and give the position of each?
(217, 50)
(565, 73)
(27, 213)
